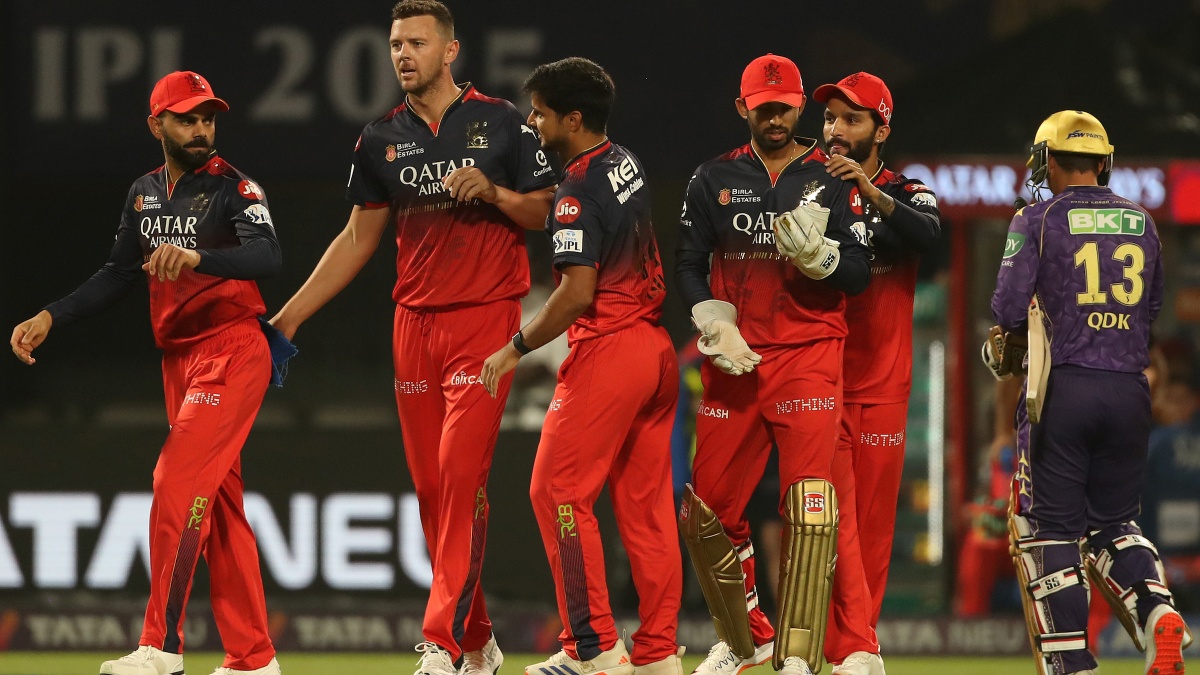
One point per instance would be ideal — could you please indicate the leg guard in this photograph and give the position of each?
(1127, 572)
(1057, 626)
(806, 567)
(719, 567)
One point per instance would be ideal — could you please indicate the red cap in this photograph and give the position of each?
(862, 89)
(180, 92)
(772, 78)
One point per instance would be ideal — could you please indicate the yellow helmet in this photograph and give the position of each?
(1072, 131)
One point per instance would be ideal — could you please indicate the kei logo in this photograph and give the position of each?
(477, 136)
(814, 502)
(566, 521)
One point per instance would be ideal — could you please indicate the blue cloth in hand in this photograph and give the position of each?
(282, 350)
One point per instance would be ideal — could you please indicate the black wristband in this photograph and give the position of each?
(519, 343)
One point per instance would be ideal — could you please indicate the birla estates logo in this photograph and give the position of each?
(724, 197)
(146, 202)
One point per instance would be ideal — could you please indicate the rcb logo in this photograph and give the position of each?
(477, 135)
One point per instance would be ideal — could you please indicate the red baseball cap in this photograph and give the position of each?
(862, 89)
(772, 78)
(180, 92)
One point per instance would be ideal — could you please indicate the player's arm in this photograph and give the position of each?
(120, 273)
(1004, 349)
(527, 209)
(566, 304)
(346, 255)
(915, 220)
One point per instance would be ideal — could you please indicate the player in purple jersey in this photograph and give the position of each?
(1082, 279)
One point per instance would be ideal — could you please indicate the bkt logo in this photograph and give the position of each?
(814, 502)
(1107, 221)
(461, 377)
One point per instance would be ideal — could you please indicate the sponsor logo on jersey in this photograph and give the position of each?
(1013, 244)
(394, 151)
(1079, 133)
(924, 198)
(709, 411)
(146, 203)
(815, 404)
(856, 203)
(814, 502)
(916, 187)
(477, 136)
(202, 398)
(1107, 221)
(540, 156)
(624, 180)
(568, 241)
(411, 386)
(250, 190)
(566, 211)
(259, 215)
(724, 197)
(428, 178)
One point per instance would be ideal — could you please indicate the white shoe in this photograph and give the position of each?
(1166, 638)
(483, 661)
(271, 668)
(722, 661)
(435, 660)
(794, 665)
(612, 662)
(860, 663)
(672, 665)
(145, 661)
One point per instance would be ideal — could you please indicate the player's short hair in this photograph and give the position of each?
(1078, 163)
(441, 13)
(575, 83)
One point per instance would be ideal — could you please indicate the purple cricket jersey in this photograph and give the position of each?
(1095, 262)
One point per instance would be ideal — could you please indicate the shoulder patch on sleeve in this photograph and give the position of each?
(568, 241)
(258, 214)
(250, 190)
(1013, 244)
(924, 198)
(567, 210)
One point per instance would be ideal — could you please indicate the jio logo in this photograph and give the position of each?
(566, 211)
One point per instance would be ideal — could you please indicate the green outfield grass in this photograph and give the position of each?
(203, 663)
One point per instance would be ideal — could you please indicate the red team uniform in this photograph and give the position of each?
(878, 372)
(612, 413)
(216, 367)
(461, 269)
(793, 398)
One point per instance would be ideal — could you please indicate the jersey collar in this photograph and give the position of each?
(463, 90)
(577, 166)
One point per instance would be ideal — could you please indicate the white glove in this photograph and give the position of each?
(720, 339)
(800, 237)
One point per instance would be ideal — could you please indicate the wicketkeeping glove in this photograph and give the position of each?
(800, 237)
(1004, 353)
(720, 339)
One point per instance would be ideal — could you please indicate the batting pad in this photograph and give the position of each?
(806, 568)
(719, 567)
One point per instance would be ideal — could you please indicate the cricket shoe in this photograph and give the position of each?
(435, 660)
(794, 665)
(1166, 638)
(271, 668)
(722, 661)
(145, 661)
(672, 665)
(483, 661)
(612, 662)
(860, 663)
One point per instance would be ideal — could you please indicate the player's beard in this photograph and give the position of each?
(768, 145)
(858, 151)
(190, 157)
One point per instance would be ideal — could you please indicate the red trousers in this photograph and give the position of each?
(794, 399)
(871, 449)
(611, 420)
(213, 392)
(450, 424)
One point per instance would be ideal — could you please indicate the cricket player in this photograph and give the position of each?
(784, 255)
(459, 175)
(611, 416)
(902, 221)
(1081, 281)
(199, 232)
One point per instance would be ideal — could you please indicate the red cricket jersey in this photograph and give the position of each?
(451, 253)
(878, 358)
